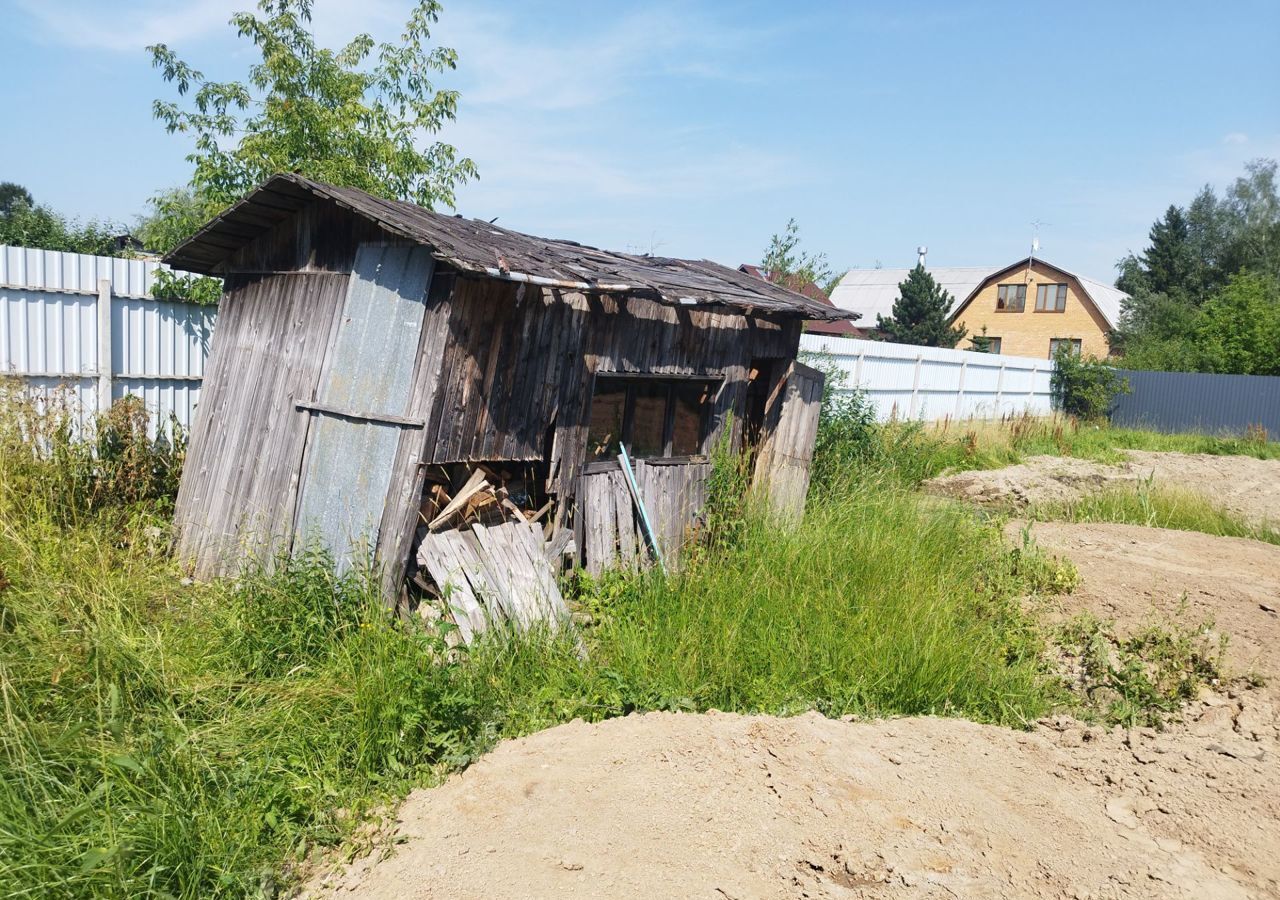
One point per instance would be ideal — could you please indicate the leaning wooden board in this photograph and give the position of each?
(495, 574)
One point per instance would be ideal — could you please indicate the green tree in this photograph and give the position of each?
(920, 313)
(353, 117)
(175, 215)
(785, 263)
(1084, 388)
(980, 343)
(27, 225)
(1238, 330)
(1194, 256)
(12, 195)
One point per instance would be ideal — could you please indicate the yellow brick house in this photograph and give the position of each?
(1028, 307)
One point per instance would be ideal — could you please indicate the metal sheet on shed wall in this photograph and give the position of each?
(367, 372)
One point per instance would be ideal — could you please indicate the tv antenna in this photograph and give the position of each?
(1035, 236)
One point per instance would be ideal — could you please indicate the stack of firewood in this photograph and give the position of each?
(463, 495)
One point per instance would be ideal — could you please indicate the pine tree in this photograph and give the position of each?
(980, 343)
(920, 314)
(1169, 261)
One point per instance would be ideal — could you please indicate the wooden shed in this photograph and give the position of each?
(437, 393)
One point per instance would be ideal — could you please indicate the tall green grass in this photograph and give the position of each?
(161, 738)
(1156, 506)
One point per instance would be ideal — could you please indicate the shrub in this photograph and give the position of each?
(1084, 387)
(119, 466)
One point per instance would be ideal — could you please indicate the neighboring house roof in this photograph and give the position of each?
(837, 328)
(1106, 299)
(871, 292)
(485, 249)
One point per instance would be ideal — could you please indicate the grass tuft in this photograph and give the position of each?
(1156, 506)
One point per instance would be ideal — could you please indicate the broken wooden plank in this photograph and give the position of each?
(475, 483)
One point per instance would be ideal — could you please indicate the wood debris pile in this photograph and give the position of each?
(490, 548)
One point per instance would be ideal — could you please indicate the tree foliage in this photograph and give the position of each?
(24, 223)
(1083, 387)
(354, 117)
(785, 263)
(920, 313)
(13, 195)
(1202, 294)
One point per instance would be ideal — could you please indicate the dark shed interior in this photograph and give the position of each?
(438, 393)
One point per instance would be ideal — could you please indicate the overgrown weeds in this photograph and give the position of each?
(1156, 506)
(163, 738)
(68, 468)
(1142, 678)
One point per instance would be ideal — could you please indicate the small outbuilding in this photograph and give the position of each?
(465, 404)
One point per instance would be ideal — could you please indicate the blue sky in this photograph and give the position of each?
(697, 129)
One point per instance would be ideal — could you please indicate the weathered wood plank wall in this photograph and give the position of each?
(238, 490)
(674, 494)
(504, 373)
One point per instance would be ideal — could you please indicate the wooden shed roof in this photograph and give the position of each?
(481, 248)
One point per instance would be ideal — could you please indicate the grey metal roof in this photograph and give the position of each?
(873, 291)
(481, 248)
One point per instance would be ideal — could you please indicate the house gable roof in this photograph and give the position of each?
(1105, 299)
(482, 248)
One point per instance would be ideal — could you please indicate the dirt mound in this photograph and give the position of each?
(668, 805)
(1247, 486)
(1137, 575)
(725, 806)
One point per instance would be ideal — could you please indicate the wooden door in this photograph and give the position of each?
(786, 444)
(359, 411)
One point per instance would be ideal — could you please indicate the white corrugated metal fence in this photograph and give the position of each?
(87, 326)
(929, 383)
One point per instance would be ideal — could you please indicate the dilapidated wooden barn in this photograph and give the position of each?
(452, 398)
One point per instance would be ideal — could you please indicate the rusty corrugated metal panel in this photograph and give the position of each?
(364, 387)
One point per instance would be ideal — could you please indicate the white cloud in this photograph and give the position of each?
(1235, 137)
(119, 28)
(127, 28)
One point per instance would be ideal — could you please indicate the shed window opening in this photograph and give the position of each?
(1011, 297)
(1051, 298)
(652, 417)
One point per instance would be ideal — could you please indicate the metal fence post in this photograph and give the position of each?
(915, 387)
(104, 344)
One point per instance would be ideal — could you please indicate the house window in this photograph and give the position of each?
(1051, 298)
(1011, 297)
(1073, 343)
(651, 416)
(993, 345)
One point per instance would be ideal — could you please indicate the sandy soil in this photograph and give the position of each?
(1249, 487)
(725, 806)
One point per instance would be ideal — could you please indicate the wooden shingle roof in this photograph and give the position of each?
(481, 248)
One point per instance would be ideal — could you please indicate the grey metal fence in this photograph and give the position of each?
(1194, 401)
(86, 328)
